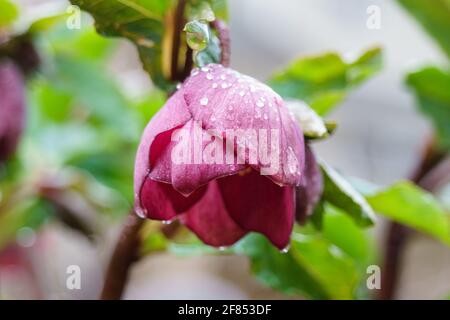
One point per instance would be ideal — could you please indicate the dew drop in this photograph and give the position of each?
(242, 93)
(223, 77)
(204, 101)
(286, 249)
(266, 116)
(230, 108)
(141, 213)
(178, 86)
(194, 72)
(260, 104)
(214, 85)
(222, 248)
(205, 69)
(167, 222)
(209, 76)
(224, 85)
(213, 118)
(292, 161)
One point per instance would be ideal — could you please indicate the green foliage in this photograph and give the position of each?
(141, 21)
(340, 193)
(319, 265)
(324, 80)
(411, 206)
(8, 13)
(431, 86)
(434, 16)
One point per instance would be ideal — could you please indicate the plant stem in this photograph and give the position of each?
(397, 234)
(125, 253)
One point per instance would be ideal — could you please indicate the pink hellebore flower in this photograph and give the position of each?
(219, 201)
(12, 108)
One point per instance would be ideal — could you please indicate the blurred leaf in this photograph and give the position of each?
(432, 88)
(8, 13)
(407, 204)
(341, 194)
(140, 21)
(324, 80)
(30, 212)
(434, 18)
(47, 23)
(96, 93)
(313, 267)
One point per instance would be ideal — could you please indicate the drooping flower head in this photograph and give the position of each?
(12, 108)
(224, 156)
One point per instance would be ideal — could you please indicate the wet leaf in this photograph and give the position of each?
(434, 18)
(431, 86)
(407, 204)
(324, 80)
(340, 193)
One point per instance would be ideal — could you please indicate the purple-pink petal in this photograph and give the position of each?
(257, 204)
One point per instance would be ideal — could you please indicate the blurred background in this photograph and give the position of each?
(379, 138)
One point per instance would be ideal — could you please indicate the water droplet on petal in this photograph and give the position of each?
(209, 76)
(214, 85)
(194, 72)
(167, 222)
(178, 86)
(266, 116)
(204, 101)
(260, 104)
(224, 85)
(222, 248)
(292, 161)
(213, 118)
(242, 93)
(223, 77)
(141, 213)
(205, 69)
(230, 108)
(286, 249)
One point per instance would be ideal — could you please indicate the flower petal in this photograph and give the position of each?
(257, 204)
(154, 138)
(309, 193)
(221, 99)
(210, 221)
(161, 202)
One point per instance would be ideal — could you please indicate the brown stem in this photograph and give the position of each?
(122, 258)
(176, 40)
(397, 234)
(223, 33)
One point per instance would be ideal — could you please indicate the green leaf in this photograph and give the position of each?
(30, 212)
(140, 21)
(341, 194)
(432, 88)
(407, 204)
(343, 232)
(434, 18)
(8, 13)
(324, 80)
(313, 267)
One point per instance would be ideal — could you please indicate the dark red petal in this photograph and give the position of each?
(257, 204)
(209, 220)
(310, 191)
(161, 202)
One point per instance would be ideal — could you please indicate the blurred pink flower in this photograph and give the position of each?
(222, 201)
(12, 108)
